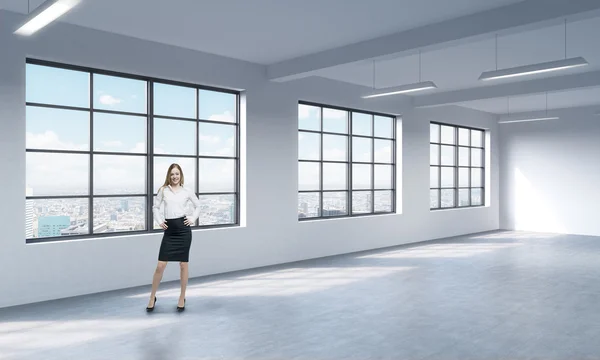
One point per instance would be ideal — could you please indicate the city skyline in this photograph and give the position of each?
(65, 129)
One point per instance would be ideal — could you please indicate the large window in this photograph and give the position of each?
(456, 166)
(346, 162)
(99, 144)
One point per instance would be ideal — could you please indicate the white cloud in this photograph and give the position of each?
(212, 139)
(50, 140)
(306, 112)
(112, 144)
(227, 116)
(109, 100)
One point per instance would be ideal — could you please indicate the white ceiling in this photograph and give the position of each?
(534, 102)
(459, 67)
(261, 31)
(302, 37)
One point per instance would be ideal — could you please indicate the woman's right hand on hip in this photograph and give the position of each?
(164, 225)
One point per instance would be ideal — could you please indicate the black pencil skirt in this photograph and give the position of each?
(176, 241)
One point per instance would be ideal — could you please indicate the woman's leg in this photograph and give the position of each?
(158, 274)
(184, 280)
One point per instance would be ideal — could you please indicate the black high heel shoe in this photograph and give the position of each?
(181, 308)
(149, 309)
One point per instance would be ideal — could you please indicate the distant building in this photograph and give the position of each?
(52, 225)
(29, 215)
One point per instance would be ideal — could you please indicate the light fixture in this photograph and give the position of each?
(539, 118)
(402, 89)
(44, 14)
(529, 119)
(532, 69)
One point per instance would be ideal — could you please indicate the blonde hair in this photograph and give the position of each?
(168, 177)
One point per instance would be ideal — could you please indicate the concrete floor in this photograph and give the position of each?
(500, 295)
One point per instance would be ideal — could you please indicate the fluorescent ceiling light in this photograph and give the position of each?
(403, 89)
(44, 14)
(530, 119)
(533, 69)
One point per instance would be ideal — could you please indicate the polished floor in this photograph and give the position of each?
(499, 295)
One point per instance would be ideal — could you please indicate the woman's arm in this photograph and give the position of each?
(194, 199)
(160, 198)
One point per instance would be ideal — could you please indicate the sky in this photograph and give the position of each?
(67, 174)
(335, 148)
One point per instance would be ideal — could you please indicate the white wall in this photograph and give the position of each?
(550, 174)
(271, 233)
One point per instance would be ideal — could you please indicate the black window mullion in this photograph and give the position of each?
(321, 167)
(91, 164)
(349, 171)
(150, 154)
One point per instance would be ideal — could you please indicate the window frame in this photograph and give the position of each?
(149, 155)
(349, 162)
(456, 166)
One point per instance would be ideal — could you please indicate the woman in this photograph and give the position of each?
(177, 238)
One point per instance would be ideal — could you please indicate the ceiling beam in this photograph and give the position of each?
(528, 14)
(556, 83)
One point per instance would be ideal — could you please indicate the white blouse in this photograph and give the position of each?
(175, 203)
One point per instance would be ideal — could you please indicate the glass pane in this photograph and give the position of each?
(54, 86)
(476, 157)
(384, 127)
(119, 214)
(188, 209)
(362, 149)
(217, 106)
(335, 147)
(362, 202)
(119, 94)
(383, 176)
(463, 177)
(463, 156)
(335, 121)
(447, 198)
(217, 209)
(119, 174)
(434, 199)
(335, 203)
(448, 155)
(362, 124)
(434, 154)
(434, 177)
(434, 133)
(383, 201)
(216, 175)
(361, 176)
(309, 176)
(476, 197)
(57, 129)
(216, 140)
(463, 136)
(131, 136)
(161, 166)
(448, 135)
(49, 174)
(463, 197)
(175, 137)
(335, 176)
(477, 138)
(56, 217)
(476, 177)
(309, 146)
(176, 101)
(308, 205)
(447, 177)
(309, 117)
(383, 151)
